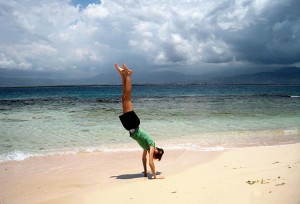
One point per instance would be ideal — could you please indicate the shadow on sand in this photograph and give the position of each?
(133, 176)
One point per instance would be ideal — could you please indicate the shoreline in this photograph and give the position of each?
(272, 173)
(153, 84)
(194, 142)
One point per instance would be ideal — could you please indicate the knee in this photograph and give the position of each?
(125, 99)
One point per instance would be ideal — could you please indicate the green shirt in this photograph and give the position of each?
(143, 139)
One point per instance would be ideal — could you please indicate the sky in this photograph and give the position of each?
(81, 39)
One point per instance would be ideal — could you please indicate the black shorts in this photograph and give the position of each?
(130, 120)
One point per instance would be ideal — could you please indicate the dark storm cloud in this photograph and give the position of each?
(273, 38)
(60, 36)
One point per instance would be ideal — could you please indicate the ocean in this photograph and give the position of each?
(40, 121)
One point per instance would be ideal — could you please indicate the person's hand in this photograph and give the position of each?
(158, 177)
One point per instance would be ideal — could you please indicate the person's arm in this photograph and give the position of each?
(144, 159)
(151, 161)
(151, 164)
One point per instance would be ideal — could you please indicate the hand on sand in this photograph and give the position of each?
(158, 177)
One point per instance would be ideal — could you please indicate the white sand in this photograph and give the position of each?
(246, 175)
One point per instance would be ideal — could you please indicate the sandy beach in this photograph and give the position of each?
(268, 174)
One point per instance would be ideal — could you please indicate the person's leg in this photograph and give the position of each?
(127, 88)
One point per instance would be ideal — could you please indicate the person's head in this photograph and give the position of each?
(158, 153)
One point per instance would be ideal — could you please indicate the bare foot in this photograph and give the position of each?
(120, 70)
(128, 71)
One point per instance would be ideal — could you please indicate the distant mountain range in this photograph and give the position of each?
(288, 76)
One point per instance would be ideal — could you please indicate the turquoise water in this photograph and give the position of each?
(58, 120)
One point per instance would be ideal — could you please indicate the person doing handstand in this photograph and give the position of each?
(131, 122)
